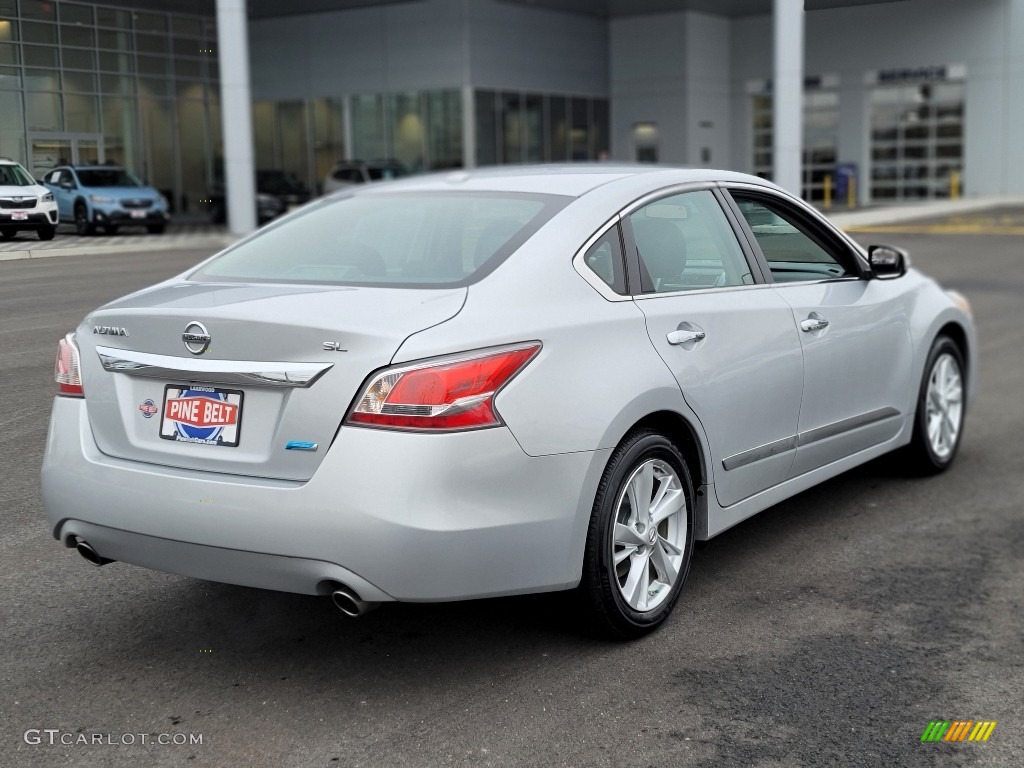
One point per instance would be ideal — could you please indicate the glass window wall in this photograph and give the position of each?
(917, 140)
(820, 138)
(83, 82)
(514, 127)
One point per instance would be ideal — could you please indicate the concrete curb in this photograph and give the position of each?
(900, 214)
(154, 244)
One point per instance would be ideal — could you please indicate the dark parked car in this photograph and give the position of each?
(277, 192)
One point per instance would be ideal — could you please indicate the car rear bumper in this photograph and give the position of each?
(392, 515)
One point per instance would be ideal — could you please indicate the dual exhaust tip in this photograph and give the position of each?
(345, 599)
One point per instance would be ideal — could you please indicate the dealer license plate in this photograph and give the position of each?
(202, 415)
(19, 216)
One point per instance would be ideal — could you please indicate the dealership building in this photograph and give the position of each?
(881, 100)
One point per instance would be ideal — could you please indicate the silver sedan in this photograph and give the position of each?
(498, 382)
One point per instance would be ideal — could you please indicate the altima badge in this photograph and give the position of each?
(197, 339)
(110, 330)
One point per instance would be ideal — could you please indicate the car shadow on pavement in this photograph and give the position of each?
(265, 627)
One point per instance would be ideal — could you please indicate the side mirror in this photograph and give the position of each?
(67, 184)
(887, 261)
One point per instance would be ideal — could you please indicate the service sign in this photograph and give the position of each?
(203, 415)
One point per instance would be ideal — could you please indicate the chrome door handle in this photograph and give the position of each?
(684, 337)
(814, 323)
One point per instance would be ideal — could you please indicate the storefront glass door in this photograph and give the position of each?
(49, 150)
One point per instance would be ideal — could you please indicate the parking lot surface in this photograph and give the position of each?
(829, 630)
(194, 234)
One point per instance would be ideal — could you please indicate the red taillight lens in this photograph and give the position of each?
(66, 370)
(449, 394)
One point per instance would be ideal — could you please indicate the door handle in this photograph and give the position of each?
(684, 336)
(814, 322)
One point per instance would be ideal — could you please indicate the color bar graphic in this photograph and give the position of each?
(958, 730)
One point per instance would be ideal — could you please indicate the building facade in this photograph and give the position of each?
(914, 99)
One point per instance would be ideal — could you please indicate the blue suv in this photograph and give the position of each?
(106, 196)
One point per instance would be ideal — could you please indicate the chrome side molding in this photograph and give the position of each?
(758, 453)
(806, 438)
(838, 427)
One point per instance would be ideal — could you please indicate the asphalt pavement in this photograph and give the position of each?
(828, 630)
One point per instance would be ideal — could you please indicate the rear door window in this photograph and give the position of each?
(685, 242)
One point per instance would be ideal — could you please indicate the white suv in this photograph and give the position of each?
(24, 203)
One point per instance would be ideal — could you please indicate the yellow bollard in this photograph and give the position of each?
(828, 191)
(954, 185)
(851, 192)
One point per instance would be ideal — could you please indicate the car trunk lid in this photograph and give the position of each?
(242, 379)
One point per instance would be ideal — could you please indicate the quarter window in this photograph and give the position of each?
(684, 242)
(792, 250)
(604, 258)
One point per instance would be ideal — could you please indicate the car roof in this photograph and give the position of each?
(570, 179)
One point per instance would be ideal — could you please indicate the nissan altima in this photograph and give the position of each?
(498, 382)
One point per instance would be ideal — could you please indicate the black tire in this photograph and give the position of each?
(8, 234)
(599, 589)
(46, 233)
(83, 227)
(921, 456)
(156, 229)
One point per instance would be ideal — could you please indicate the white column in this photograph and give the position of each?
(236, 115)
(787, 90)
(468, 127)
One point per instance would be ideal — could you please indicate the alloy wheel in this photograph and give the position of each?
(944, 407)
(649, 536)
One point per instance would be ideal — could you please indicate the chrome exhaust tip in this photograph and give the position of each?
(90, 554)
(349, 603)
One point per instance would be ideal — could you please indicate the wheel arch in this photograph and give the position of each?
(958, 334)
(676, 428)
(686, 436)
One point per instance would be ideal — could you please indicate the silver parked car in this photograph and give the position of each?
(498, 382)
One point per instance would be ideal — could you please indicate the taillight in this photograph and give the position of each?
(452, 393)
(66, 370)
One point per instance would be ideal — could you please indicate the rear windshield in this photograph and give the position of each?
(13, 176)
(107, 177)
(420, 239)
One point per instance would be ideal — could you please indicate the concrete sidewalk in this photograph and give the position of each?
(188, 236)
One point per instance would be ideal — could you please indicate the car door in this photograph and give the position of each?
(728, 338)
(62, 184)
(853, 329)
